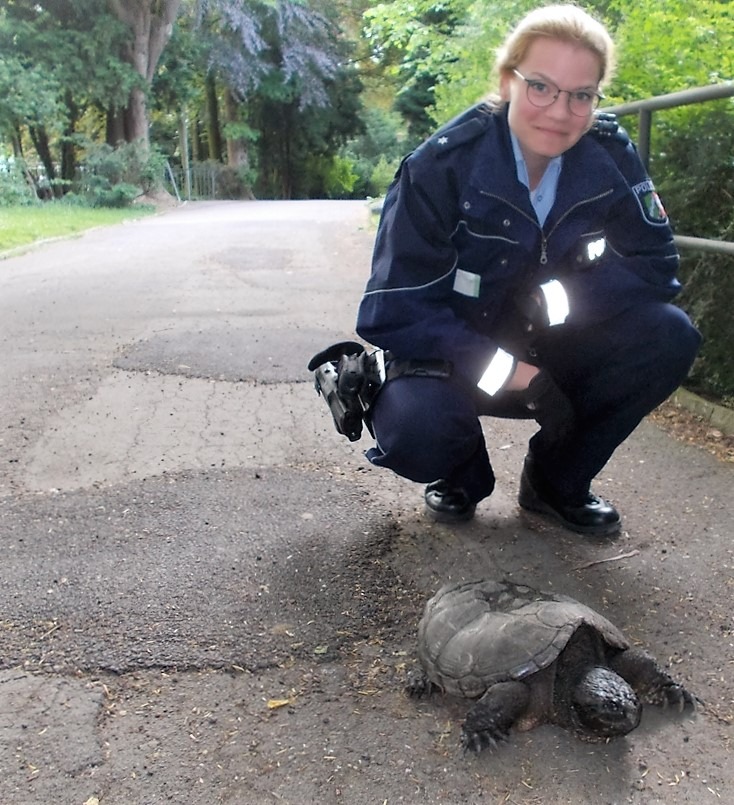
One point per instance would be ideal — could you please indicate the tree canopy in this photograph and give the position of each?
(83, 68)
(261, 86)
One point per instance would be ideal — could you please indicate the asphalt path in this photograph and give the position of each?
(208, 596)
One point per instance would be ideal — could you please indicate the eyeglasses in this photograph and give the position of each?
(581, 102)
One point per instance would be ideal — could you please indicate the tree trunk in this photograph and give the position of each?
(135, 117)
(287, 162)
(197, 146)
(17, 141)
(39, 137)
(115, 127)
(68, 150)
(214, 134)
(151, 24)
(183, 138)
(238, 156)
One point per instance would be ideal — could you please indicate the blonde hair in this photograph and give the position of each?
(568, 23)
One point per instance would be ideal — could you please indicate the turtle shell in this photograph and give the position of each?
(475, 634)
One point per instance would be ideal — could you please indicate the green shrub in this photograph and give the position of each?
(102, 194)
(708, 293)
(375, 153)
(115, 177)
(382, 175)
(230, 183)
(339, 177)
(328, 177)
(14, 189)
(695, 171)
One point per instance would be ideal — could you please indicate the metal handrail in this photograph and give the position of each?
(645, 108)
(704, 244)
(683, 97)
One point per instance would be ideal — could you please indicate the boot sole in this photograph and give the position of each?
(538, 506)
(449, 517)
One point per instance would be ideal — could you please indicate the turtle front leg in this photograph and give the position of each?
(651, 683)
(490, 719)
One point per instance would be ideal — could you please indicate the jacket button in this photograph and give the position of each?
(503, 262)
(506, 222)
(467, 205)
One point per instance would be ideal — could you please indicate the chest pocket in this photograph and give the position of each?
(485, 216)
(492, 239)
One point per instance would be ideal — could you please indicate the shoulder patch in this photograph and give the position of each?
(649, 201)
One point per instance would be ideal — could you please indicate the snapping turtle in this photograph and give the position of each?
(530, 658)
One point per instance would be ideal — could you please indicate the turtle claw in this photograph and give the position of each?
(677, 696)
(477, 741)
(674, 695)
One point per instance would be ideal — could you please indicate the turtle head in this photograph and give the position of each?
(604, 704)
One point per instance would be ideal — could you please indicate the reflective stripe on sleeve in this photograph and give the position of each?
(497, 373)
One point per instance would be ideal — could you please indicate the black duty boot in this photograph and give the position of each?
(593, 516)
(448, 504)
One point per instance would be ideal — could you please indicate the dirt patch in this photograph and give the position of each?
(162, 200)
(693, 429)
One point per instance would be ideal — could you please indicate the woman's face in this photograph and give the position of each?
(546, 132)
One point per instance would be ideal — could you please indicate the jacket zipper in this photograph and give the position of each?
(543, 236)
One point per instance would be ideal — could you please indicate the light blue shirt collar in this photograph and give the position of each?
(544, 195)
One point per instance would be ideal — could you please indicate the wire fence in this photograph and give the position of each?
(204, 180)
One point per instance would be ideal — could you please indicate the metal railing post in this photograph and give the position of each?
(644, 136)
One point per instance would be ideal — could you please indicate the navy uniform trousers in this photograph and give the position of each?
(614, 373)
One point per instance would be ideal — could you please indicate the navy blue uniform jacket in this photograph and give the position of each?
(458, 237)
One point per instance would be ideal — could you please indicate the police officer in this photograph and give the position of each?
(523, 247)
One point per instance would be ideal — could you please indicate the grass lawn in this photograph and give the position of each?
(20, 226)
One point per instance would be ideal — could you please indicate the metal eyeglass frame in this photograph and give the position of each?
(596, 97)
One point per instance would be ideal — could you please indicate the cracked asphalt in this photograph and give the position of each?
(208, 596)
